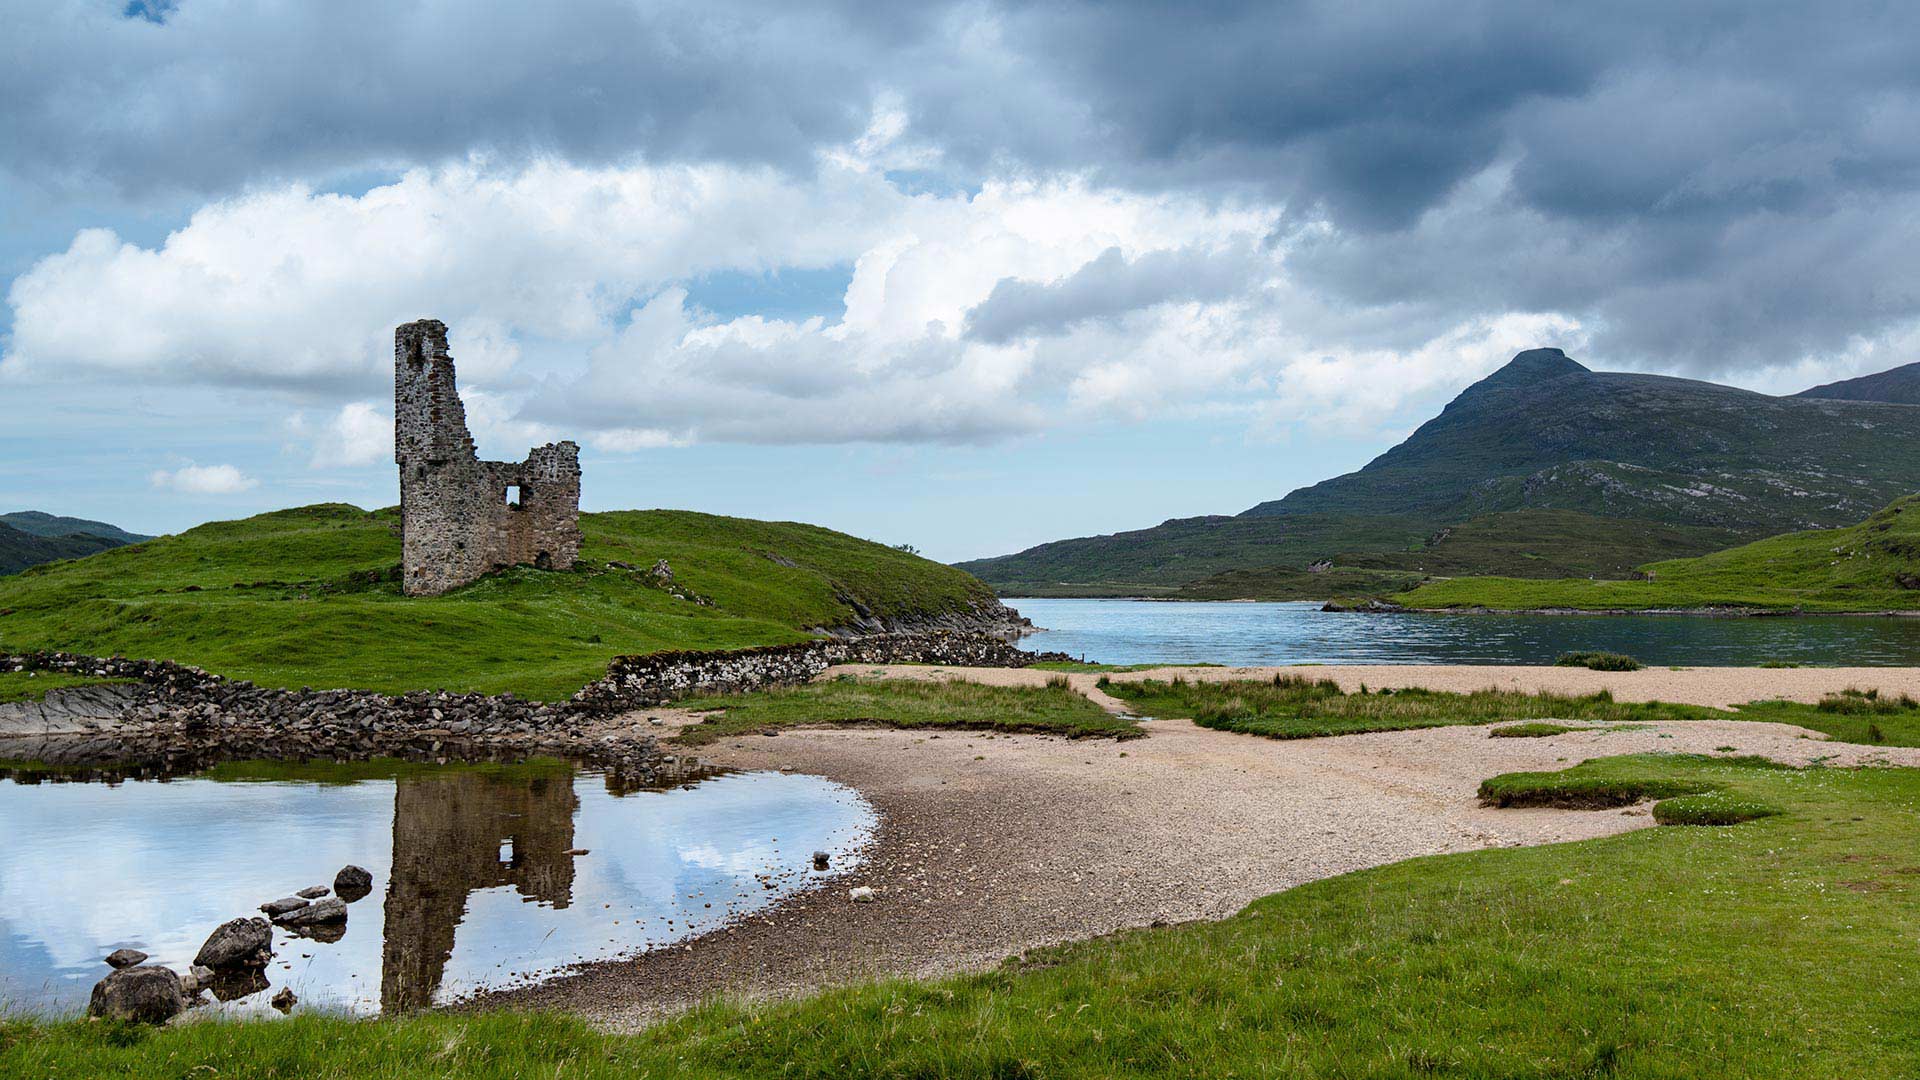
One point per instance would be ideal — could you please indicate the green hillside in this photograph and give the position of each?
(1517, 543)
(1581, 472)
(310, 597)
(1872, 566)
(1157, 561)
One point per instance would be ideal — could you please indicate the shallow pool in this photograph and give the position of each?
(484, 876)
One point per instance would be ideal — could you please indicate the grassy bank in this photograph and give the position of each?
(1775, 948)
(1872, 566)
(903, 703)
(1293, 707)
(310, 597)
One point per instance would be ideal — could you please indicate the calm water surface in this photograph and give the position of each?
(474, 883)
(1149, 631)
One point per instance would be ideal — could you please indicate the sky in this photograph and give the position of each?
(970, 276)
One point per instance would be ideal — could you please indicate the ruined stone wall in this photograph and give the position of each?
(635, 682)
(459, 518)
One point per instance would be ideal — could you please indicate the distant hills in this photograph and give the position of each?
(1558, 469)
(31, 537)
(1899, 385)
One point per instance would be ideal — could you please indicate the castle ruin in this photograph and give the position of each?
(461, 517)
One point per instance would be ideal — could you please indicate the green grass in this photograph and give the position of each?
(310, 597)
(1598, 661)
(908, 703)
(1533, 729)
(1686, 784)
(1850, 716)
(1292, 707)
(1779, 948)
(1872, 566)
(34, 686)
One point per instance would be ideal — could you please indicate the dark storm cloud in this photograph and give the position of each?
(221, 93)
(1710, 185)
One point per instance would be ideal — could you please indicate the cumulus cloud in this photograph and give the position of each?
(290, 288)
(360, 433)
(203, 480)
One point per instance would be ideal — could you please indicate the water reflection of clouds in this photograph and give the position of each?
(655, 856)
(88, 868)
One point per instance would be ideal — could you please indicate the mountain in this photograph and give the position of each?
(1899, 385)
(29, 538)
(1654, 466)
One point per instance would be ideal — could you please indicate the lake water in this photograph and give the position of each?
(1153, 631)
(477, 879)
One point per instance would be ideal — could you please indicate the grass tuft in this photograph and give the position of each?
(1532, 729)
(1598, 661)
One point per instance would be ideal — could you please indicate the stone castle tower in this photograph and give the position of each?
(462, 517)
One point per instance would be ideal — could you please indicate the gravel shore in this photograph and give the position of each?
(1713, 686)
(994, 844)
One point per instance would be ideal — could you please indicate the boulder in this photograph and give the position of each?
(285, 1000)
(147, 995)
(331, 910)
(277, 908)
(313, 892)
(820, 860)
(125, 958)
(240, 943)
(236, 983)
(860, 894)
(352, 883)
(196, 979)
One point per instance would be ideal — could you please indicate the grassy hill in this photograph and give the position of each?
(1590, 472)
(310, 597)
(1872, 566)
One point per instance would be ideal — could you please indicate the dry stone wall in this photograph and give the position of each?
(657, 678)
(462, 517)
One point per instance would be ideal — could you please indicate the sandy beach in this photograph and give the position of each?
(994, 844)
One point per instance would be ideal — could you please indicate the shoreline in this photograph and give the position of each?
(982, 851)
(1706, 612)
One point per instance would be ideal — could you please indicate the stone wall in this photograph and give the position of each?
(184, 712)
(656, 678)
(462, 517)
